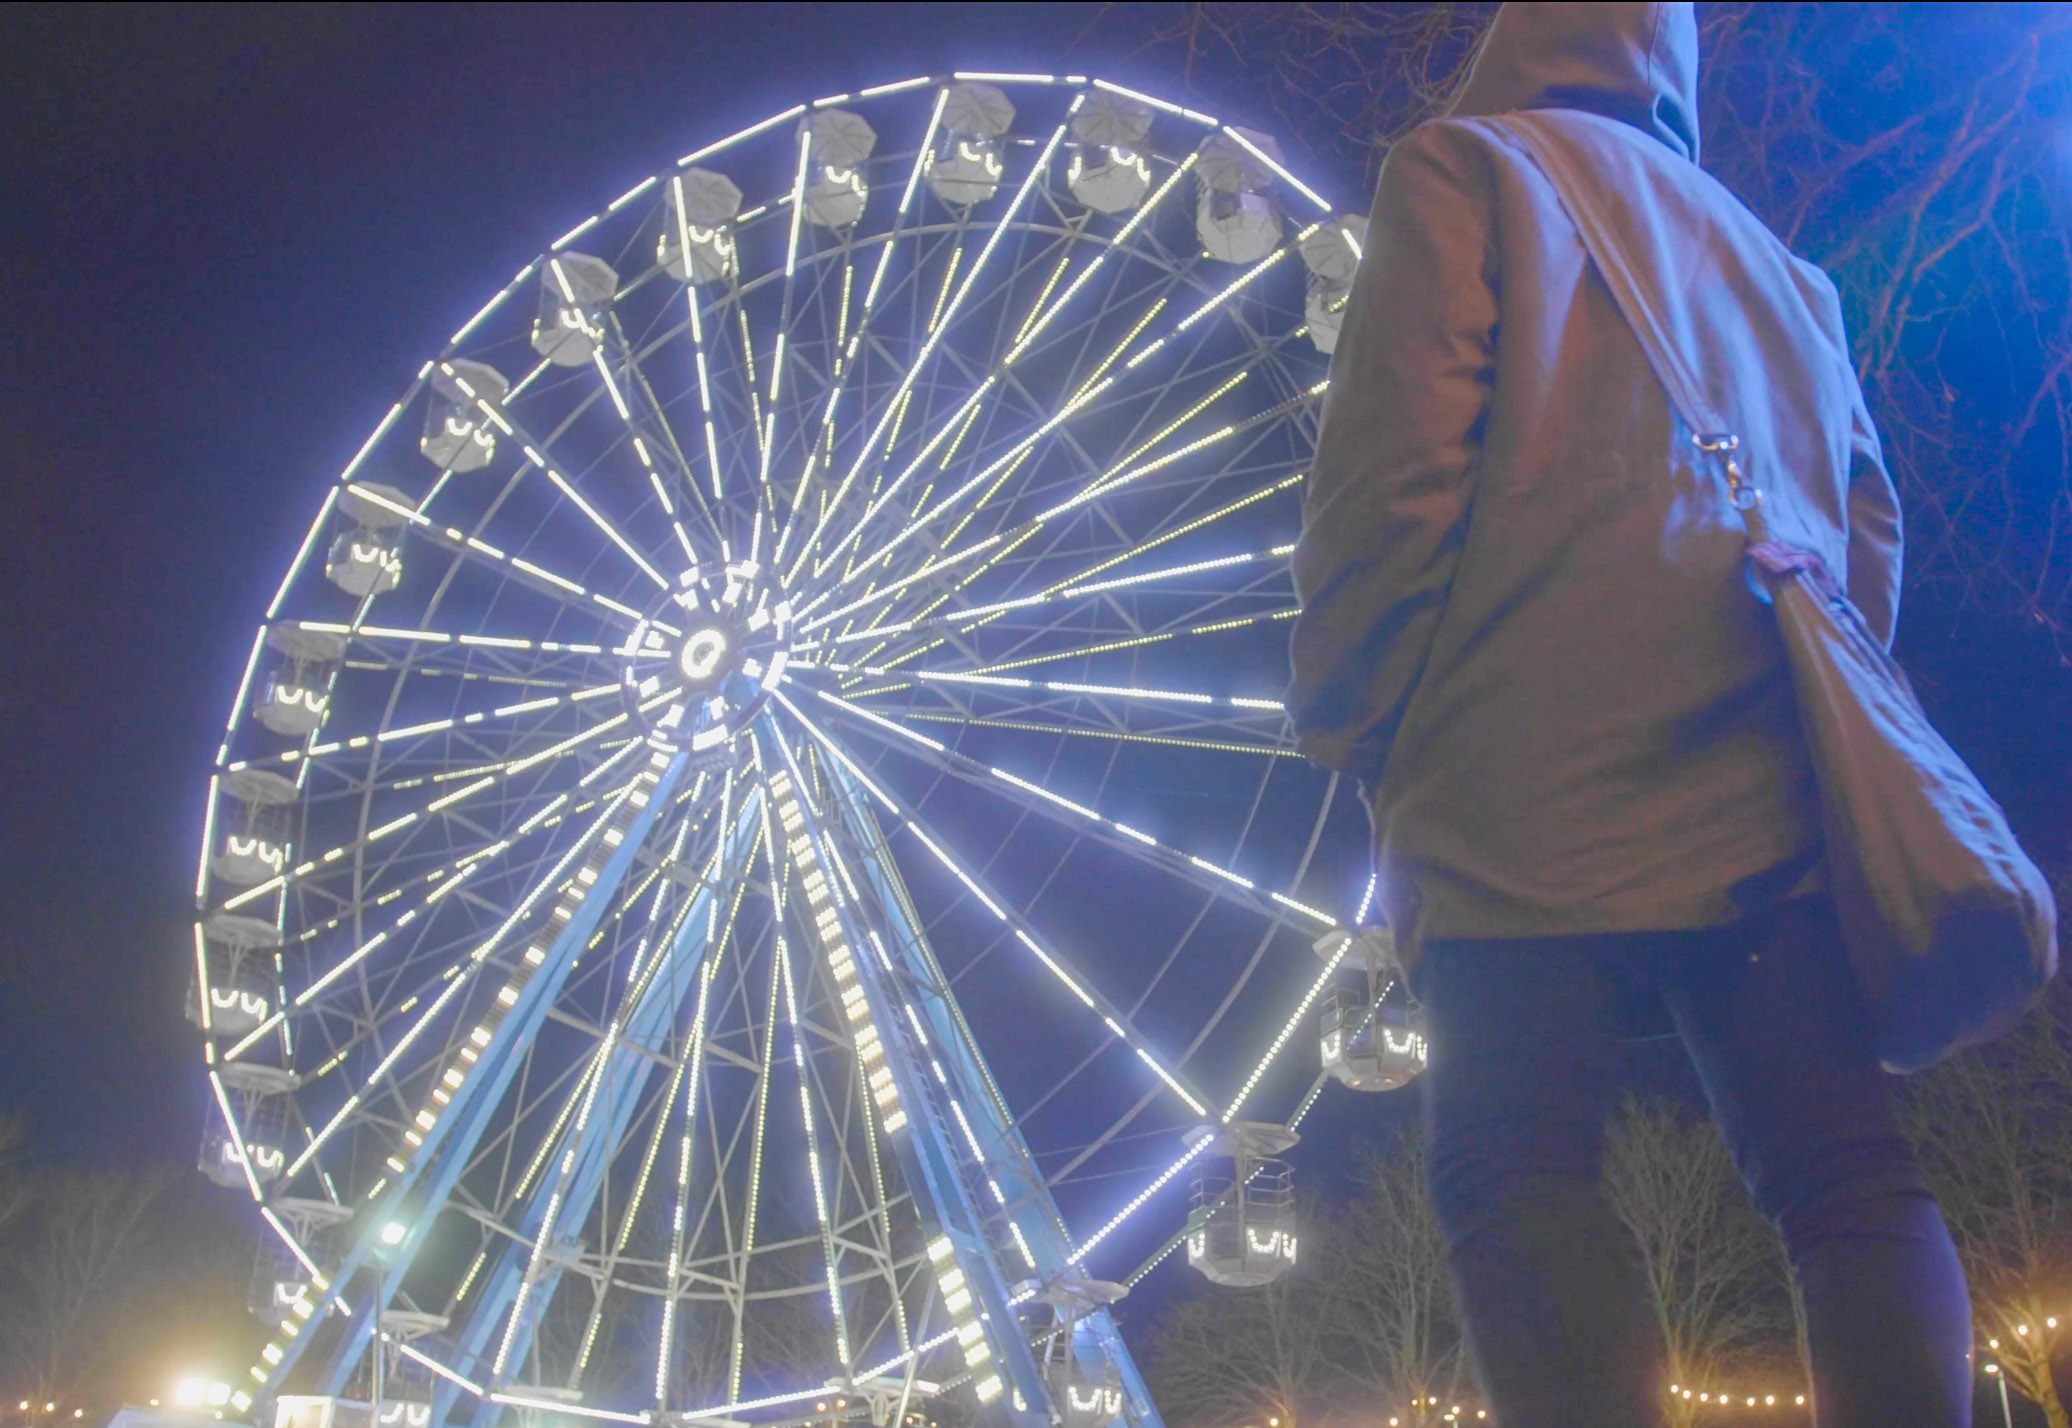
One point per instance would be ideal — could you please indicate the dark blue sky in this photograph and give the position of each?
(231, 233)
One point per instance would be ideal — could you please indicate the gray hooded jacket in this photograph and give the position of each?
(1526, 623)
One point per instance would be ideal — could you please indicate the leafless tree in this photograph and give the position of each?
(1397, 1330)
(1994, 1129)
(1713, 1265)
(17, 1193)
(67, 1255)
(1916, 151)
(1242, 1356)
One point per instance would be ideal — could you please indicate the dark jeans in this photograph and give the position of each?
(1524, 1063)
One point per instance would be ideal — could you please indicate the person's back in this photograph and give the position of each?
(1591, 732)
(1527, 629)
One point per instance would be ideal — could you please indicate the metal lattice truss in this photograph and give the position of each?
(760, 810)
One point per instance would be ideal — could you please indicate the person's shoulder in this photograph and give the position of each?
(1464, 151)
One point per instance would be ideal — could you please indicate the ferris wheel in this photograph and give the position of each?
(757, 872)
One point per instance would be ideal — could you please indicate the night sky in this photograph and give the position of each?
(231, 233)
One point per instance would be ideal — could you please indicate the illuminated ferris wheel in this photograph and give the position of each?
(757, 862)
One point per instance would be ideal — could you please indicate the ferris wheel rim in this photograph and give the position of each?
(1214, 880)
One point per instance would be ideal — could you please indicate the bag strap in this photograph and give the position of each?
(1581, 200)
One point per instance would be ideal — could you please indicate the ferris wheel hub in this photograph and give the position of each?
(703, 660)
(708, 654)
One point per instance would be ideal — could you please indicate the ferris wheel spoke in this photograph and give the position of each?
(971, 617)
(870, 1009)
(1173, 741)
(1017, 657)
(1031, 689)
(1130, 469)
(441, 804)
(539, 460)
(474, 548)
(469, 966)
(1094, 387)
(640, 393)
(1031, 330)
(1115, 1020)
(689, 1069)
(1134, 842)
(767, 435)
(934, 338)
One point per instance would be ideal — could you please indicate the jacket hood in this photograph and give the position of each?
(1636, 63)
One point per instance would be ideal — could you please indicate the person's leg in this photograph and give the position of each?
(1780, 1039)
(1522, 1063)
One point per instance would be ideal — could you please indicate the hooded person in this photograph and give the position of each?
(1528, 630)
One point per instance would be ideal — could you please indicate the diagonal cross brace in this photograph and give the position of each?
(1007, 1158)
(644, 1027)
(430, 1176)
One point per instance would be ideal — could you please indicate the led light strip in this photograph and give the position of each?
(1217, 746)
(635, 993)
(1094, 1002)
(476, 959)
(494, 414)
(437, 805)
(1002, 681)
(1001, 228)
(846, 362)
(1091, 388)
(463, 542)
(1119, 475)
(1316, 915)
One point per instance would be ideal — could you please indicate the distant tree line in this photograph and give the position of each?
(113, 1282)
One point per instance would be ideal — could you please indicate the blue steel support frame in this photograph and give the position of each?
(1007, 1157)
(927, 1152)
(470, 1111)
(625, 1075)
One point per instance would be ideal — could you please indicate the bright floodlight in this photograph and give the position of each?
(732, 699)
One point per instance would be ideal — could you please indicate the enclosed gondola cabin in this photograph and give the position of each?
(1241, 1227)
(1371, 1034)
